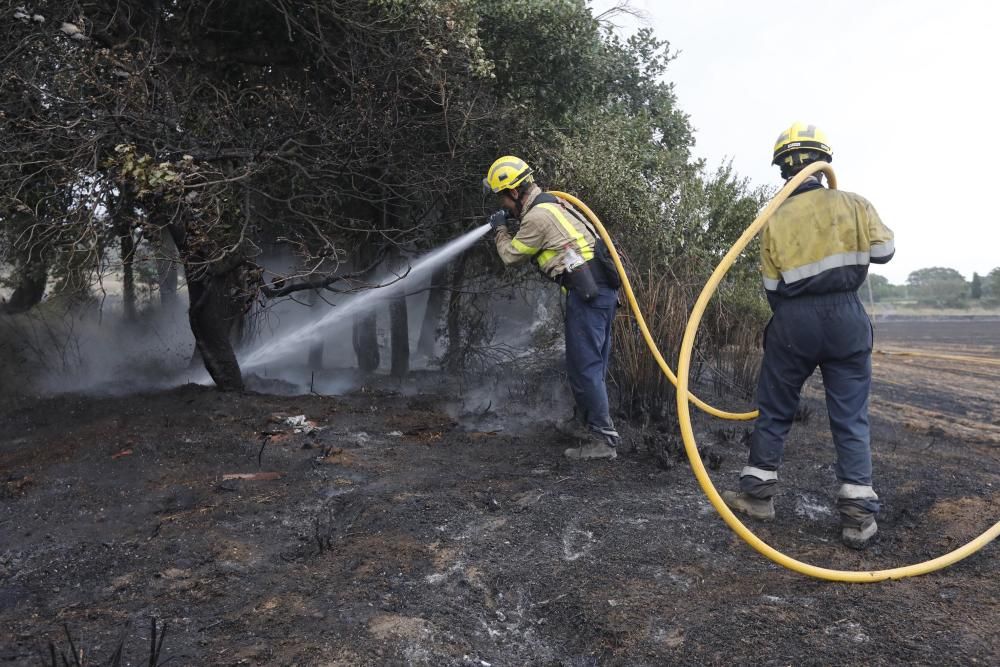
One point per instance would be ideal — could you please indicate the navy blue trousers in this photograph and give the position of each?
(833, 332)
(588, 351)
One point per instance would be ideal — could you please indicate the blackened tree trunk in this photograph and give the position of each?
(365, 333)
(316, 345)
(213, 314)
(218, 294)
(365, 339)
(166, 271)
(432, 314)
(399, 334)
(399, 326)
(30, 288)
(128, 275)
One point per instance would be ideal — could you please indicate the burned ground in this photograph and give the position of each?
(405, 531)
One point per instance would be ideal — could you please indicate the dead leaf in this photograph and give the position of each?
(175, 573)
(256, 476)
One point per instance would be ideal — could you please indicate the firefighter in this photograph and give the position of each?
(815, 253)
(536, 226)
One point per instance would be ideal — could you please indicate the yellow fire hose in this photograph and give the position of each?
(684, 397)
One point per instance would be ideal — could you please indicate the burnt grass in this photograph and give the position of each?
(407, 532)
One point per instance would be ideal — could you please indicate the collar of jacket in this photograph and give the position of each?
(529, 199)
(811, 183)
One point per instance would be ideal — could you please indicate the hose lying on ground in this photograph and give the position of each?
(684, 397)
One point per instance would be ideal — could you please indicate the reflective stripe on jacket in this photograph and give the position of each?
(547, 226)
(821, 241)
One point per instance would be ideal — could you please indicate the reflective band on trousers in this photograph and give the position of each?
(762, 475)
(856, 492)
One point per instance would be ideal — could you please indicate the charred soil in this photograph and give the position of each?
(393, 528)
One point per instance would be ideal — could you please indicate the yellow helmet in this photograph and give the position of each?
(798, 139)
(507, 172)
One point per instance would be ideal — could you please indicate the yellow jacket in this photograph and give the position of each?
(821, 241)
(548, 225)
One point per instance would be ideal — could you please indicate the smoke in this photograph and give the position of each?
(289, 343)
(513, 400)
(89, 347)
(299, 344)
(305, 340)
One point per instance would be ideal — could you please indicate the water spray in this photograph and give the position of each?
(294, 340)
(684, 398)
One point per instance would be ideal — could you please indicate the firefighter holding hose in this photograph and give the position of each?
(536, 226)
(815, 253)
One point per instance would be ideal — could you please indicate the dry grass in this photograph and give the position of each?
(727, 351)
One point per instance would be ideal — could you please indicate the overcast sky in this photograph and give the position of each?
(906, 92)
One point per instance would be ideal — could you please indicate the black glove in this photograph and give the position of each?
(497, 218)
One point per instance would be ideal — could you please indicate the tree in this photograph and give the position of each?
(938, 286)
(881, 289)
(976, 287)
(991, 288)
(233, 127)
(347, 132)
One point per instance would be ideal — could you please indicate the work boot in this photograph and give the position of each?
(858, 537)
(756, 508)
(592, 450)
(857, 505)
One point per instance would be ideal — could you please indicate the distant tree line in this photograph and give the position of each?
(939, 287)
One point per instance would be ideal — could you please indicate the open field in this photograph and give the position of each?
(412, 530)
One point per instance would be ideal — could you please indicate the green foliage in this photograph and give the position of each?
(333, 127)
(553, 87)
(991, 287)
(976, 286)
(142, 174)
(938, 286)
(879, 285)
(882, 289)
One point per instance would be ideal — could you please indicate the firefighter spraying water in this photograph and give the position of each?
(537, 226)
